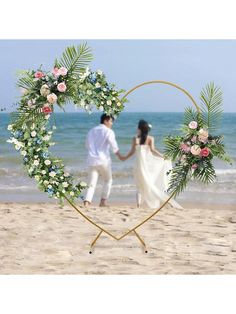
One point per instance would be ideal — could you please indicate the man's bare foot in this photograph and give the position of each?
(86, 203)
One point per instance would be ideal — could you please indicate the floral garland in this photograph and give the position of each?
(31, 132)
(195, 149)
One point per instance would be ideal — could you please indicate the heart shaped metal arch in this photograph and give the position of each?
(134, 229)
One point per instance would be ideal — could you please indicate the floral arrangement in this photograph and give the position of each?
(194, 151)
(70, 80)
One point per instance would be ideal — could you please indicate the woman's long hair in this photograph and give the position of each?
(143, 126)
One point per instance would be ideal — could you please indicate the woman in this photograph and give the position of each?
(149, 169)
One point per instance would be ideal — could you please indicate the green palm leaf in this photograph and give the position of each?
(211, 106)
(75, 59)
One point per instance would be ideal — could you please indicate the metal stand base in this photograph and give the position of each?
(100, 233)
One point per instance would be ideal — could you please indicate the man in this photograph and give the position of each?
(99, 141)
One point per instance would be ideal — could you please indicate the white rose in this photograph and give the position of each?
(10, 127)
(45, 182)
(89, 92)
(99, 72)
(45, 90)
(37, 177)
(97, 85)
(43, 172)
(118, 104)
(63, 191)
(23, 153)
(109, 102)
(47, 162)
(46, 138)
(83, 184)
(65, 184)
(49, 186)
(36, 162)
(33, 133)
(52, 174)
(36, 156)
(72, 193)
(52, 98)
(17, 147)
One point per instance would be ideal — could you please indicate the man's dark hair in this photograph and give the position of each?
(105, 117)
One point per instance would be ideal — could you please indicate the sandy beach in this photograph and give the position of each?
(40, 238)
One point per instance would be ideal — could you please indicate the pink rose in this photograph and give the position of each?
(61, 87)
(185, 148)
(55, 72)
(63, 71)
(46, 109)
(52, 98)
(194, 139)
(194, 166)
(38, 74)
(195, 150)
(205, 152)
(193, 125)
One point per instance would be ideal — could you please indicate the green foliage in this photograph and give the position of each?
(75, 59)
(211, 106)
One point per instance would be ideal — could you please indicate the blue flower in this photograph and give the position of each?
(18, 134)
(45, 155)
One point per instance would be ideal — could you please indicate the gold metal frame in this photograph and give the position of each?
(134, 229)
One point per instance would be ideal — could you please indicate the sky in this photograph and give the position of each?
(190, 64)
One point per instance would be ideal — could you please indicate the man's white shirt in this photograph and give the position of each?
(99, 141)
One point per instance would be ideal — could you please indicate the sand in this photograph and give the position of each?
(43, 238)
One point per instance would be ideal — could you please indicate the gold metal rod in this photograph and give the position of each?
(145, 220)
(94, 241)
(89, 220)
(140, 239)
(167, 83)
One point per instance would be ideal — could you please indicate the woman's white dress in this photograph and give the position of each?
(151, 178)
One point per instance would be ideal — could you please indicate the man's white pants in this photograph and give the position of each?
(104, 171)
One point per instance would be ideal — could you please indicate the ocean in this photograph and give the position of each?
(70, 136)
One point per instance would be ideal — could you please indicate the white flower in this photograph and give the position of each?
(45, 182)
(72, 193)
(47, 116)
(36, 156)
(109, 102)
(36, 162)
(83, 184)
(23, 153)
(10, 127)
(63, 191)
(46, 138)
(66, 174)
(49, 186)
(118, 104)
(47, 162)
(104, 89)
(99, 72)
(62, 177)
(65, 184)
(17, 147)
(33, 133)
(54, 127)
(97, 85)
(43, 172)
(52, 98)
(52, 174)
(37, 177)
(45, 90)
(82, 103)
